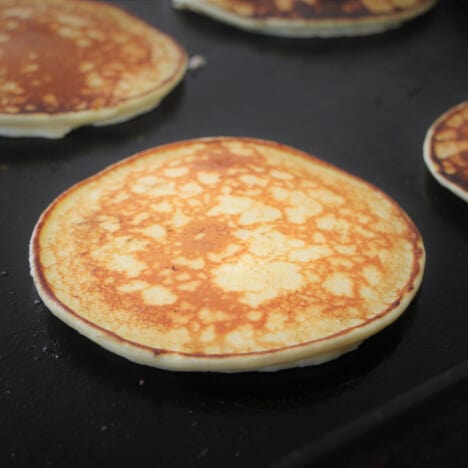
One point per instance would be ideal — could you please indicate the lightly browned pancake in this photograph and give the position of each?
(226, 254)
(309, 18)
(446, 150)
(68, 63)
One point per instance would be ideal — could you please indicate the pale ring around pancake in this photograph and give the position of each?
(226, 254)
(379, 19)
(65, 64)
(444, 137)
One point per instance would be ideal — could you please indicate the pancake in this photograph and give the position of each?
(446, 150)
(226, 254)
(309, 18)
(66, 63)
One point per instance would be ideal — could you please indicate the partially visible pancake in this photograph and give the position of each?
(308, 18)
(446, 150)
(226, 254)
(66, 63)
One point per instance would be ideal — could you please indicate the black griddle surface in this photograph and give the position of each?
(363, 104)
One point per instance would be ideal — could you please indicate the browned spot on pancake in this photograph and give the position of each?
(67, 56)
(226, 246)
(317, 9)
(449, 146)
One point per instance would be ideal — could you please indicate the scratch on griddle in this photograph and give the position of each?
(203, 452)
(414, 92)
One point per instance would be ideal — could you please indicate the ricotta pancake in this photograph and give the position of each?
(446, 150)
(309, 18)
(226, 254)
(67, 63)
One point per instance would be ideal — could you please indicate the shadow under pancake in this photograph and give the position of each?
(448, 206)
(458, 13)
(210, 392)
(90, 139)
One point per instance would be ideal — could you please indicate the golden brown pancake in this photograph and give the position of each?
(226, 254)
(66, 63)
(308, 18)
(446, 150)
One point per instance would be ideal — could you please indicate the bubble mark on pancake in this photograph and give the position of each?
(309, 18)
(446, 150)
(59, 59)
(229, 246)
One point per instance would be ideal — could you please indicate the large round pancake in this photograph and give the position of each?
(226, 254)
(309, 18)
(446, 150)
(68, 63)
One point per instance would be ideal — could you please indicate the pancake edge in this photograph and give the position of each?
(427, 155)
(55, 126)
(322, 28)
(302, 354)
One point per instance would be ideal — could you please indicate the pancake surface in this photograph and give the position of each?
(308, 18)
(226, 254)
(67, 63)
(446, 150)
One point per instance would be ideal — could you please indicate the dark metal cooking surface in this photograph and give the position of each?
(363, 104)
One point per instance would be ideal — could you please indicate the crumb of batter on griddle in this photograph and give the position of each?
(196, 62)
